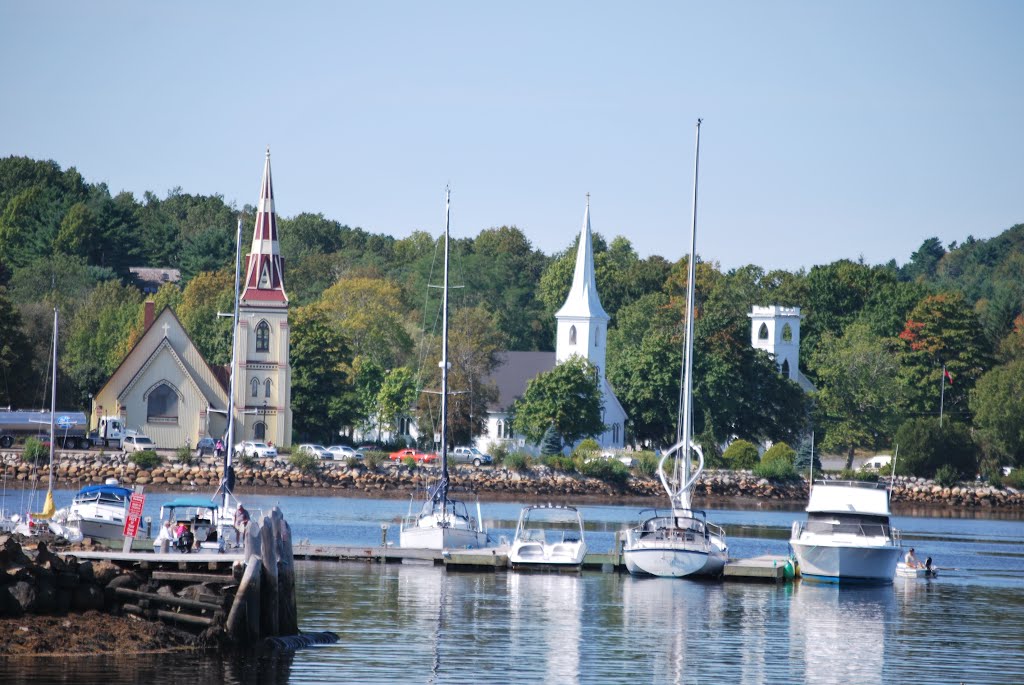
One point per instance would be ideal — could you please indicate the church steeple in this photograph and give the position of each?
(583, 300)
(264, 272)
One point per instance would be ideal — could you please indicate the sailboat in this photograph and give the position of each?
(441, 522)
(42, 523)
(680, 542)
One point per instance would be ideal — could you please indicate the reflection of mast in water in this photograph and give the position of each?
(658, 615)
(546, 614)
(839, 632)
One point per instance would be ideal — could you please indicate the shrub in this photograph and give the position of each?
(647, 464)
(947, 476)
(517, 461)
(409, 462)
(35, 449)
(780, 451)
(559, 463)
(777, 469)
(373, 459)
(353, 462)
(608, 470)
(741, 455)
(303, 461)
(184, 455)
(498, 452)
(1015, 480)
(587, 448)
(243, 459)
(146, 459)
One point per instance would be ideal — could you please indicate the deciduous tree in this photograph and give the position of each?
(568, 397)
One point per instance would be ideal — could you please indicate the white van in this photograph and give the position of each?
(876, 462)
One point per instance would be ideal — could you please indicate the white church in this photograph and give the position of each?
(582, 330)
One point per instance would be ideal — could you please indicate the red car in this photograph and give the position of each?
(421, 457)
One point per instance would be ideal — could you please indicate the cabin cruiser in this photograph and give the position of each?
(213, 525)
(847, 536)
(98, 511)
(548, 536)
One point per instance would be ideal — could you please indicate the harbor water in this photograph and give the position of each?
(421, 624)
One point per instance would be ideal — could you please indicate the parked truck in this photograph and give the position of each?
(109, 431)
(71, 428)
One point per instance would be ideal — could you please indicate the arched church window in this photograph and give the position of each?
(787, 333)
(572, 335)
(266, 392)
(263, 337)
(255, 384)
(762, 332)
(162, 405)
(259, 431)
(785, 368)
(597, 337)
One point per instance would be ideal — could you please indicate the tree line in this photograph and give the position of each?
(364, 324)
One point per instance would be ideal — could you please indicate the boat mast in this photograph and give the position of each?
(442, 490)
(683, 463)
(53, 400)
(230, 446)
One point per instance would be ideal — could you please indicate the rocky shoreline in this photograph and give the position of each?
(77, 469)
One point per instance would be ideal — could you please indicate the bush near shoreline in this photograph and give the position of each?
(78, 469)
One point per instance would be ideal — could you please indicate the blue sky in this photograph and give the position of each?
(831, 130)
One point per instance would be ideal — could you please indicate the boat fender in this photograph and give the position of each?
(788, 571)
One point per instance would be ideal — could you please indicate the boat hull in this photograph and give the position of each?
(104, 529)
(847, 563)
(536, 555)
(437, 537)
(666, 560)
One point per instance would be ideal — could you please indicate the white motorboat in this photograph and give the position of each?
(98, 511)
(847, 536)
(441, 522)
(904, 571)
(548, 536)
(212, 524)
(681, 542)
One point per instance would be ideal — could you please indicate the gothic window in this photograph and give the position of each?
(255, 384)
(162, 405)
(597, 337)
(403, 425)
(572, 335)
(263, 337)
(615, 433)
(762, 332)
(266, 386)
(785, 368)
(259, 431)
(787, 333)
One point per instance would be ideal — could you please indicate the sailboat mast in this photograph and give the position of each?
(443, 489)
(688, 361)
(53, 399)
(229, 448)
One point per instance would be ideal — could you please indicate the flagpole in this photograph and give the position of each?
(942, 394)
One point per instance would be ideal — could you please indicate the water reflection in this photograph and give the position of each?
(840, 632)
(545, 623)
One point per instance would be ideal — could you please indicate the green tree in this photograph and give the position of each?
(15, 355)
(320, 358)
(371, 313)
(998, 412)
(99, 335)
(924, 446)
(780, 451)
(568, 397)
(208, 293)
(396, 397)
(858, 390)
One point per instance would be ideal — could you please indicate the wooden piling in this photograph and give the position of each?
(269, 624)
(244, 609)
(288, 619)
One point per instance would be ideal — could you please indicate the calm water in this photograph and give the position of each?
(419, 624)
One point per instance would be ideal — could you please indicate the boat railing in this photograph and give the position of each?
(868, 530)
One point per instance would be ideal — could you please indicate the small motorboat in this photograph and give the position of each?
(548, 536)
(904, 571)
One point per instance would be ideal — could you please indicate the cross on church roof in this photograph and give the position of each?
(166, 327)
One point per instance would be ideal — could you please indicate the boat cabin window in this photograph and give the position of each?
(852, 524)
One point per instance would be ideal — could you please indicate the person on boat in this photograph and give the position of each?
(911, 560)
(241, 519)
(166, 538)
(186, 540)
(928, 570)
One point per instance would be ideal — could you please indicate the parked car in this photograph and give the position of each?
(624, 458)
(318, 451)
(137, 443)
(256, 449)
(470, 455)
(416, 455)
(206, 445)
(342, 452)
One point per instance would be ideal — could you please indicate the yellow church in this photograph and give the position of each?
(166, 390)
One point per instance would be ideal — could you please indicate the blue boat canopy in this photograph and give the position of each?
(106, 490)
(193, 501)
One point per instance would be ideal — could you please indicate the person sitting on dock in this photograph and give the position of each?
(911, 560)
(166, 538)
(186, 540)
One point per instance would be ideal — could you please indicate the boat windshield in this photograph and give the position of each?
(849, 524)
(433, 506)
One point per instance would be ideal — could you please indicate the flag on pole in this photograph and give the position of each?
(949, 376)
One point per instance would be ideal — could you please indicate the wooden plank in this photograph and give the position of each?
(184, 577)
(166, 599)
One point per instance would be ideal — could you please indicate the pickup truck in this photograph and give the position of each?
(470, 455)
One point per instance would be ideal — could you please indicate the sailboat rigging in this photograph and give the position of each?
(682, 542)
(443, 522)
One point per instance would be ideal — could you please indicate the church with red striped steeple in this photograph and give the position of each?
(262, 401)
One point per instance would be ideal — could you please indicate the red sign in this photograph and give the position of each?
(131, 524)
